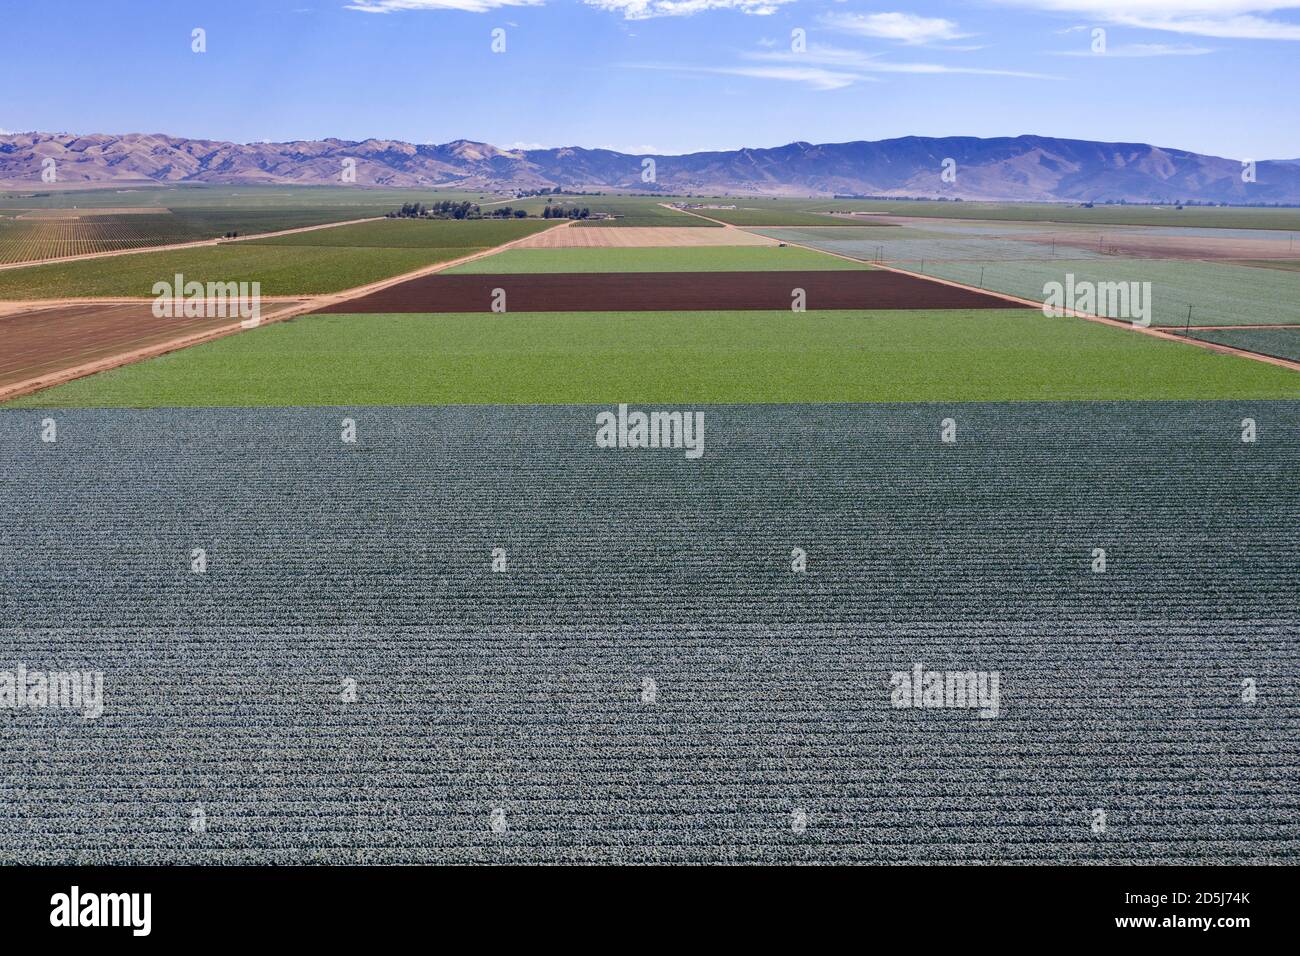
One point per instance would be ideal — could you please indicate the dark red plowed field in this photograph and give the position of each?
(669, 291)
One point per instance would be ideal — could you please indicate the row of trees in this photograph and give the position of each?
(453, 210)
(439, 210)
(558, 212)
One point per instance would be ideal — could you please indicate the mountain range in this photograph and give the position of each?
(1025, 168)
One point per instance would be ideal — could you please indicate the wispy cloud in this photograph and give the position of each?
(828, 68)
(1141, 50)
(859, 63)
(467, 6)
(813, 77)
(1223, 19)
(648, 9)
(902, 27)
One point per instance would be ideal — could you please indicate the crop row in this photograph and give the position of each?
(26, 240)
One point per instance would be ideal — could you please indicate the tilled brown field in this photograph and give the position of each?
(48, 340)
(667, 291)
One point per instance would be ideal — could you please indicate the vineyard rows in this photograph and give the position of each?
(26, 240)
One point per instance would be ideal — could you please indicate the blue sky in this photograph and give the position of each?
(1214, 76)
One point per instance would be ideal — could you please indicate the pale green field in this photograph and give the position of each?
(1215, 293)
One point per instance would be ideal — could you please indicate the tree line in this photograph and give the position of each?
(448, 209)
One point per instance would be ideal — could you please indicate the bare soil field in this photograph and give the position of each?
(667, 291)
(53, 339)
(642, 237)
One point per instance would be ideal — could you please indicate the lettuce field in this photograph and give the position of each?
(473, 635)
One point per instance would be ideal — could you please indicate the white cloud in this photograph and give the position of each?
(647, 9)
(467, 6)
(903, 27)
(1224, 19)
(1141, 50)
(811, 76)
(862, 64)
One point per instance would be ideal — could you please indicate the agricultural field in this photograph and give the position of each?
(938, 240)
(905, 244)
(756, 289)
(750, 212)
(648, 681)
(27, 239)
(48, 341)
(630, 210)
(282, 270)
(233, 198)
(415, 234)
(1280, 343)
(1183, 291)
(642, 237)
(294, 267)
(700, 357)
(703, 259)
(1220, 217)
(83, 221)
(1290, 265)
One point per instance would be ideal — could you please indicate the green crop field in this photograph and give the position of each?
(237, 198)
(783, 211)
(658, 259)
(185, 214)
(1226, 217)
(550, 358)
(630, 210)
(1281, 343)
(415, 233)
(282, 268)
